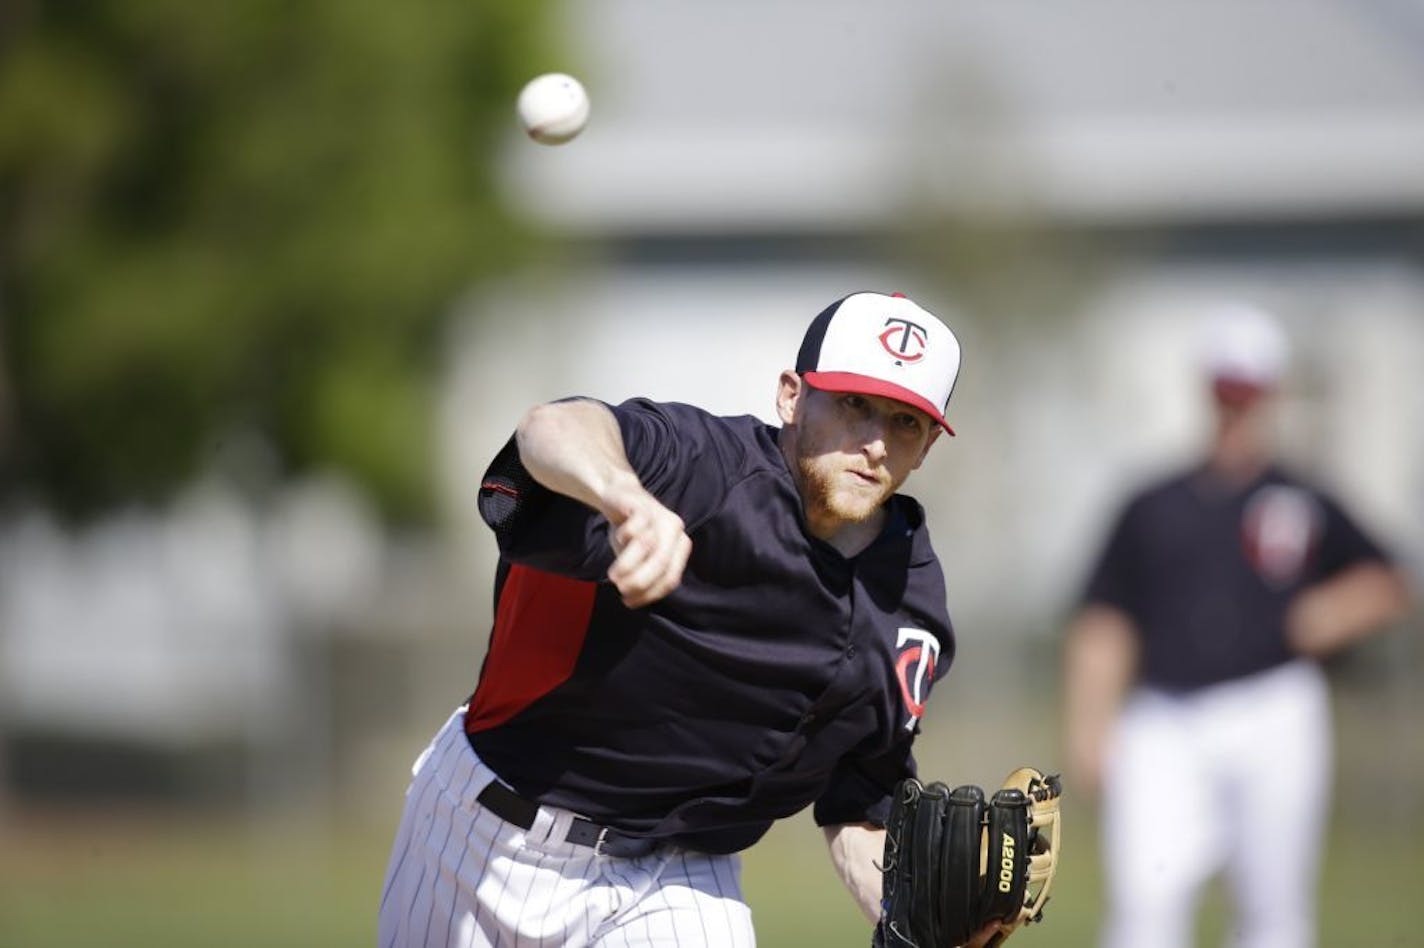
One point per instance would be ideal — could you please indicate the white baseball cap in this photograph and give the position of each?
(876, 344)
(1243, 345)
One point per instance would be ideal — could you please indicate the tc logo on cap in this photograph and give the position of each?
(904, 340)
(844, 350)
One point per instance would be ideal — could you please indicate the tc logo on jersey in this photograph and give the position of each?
(1278, 532)
(904, 340)
(915, 670)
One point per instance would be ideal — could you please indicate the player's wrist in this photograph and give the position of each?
(618, 493)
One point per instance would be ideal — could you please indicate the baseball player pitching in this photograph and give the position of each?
(1193, 690)
(702, 625)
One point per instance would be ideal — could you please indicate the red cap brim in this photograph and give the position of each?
(865, 385)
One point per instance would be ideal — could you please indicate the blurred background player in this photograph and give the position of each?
(1194, 698)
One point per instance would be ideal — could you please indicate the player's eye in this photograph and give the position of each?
(855, 403)
(908, 422)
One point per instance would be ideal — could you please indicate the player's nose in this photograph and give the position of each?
(873, 440)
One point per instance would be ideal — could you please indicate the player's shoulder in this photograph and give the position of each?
(693, 418)
(740, 439)
(1164, 487)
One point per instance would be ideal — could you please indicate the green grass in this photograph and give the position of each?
(144, 880)
(1372, 882)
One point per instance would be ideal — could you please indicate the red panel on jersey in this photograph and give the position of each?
(539, 628)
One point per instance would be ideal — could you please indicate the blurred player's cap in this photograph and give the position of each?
(876, 344)
(1244, 351)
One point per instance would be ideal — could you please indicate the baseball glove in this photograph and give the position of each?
(956, 866)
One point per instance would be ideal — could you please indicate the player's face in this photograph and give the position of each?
(851, 452)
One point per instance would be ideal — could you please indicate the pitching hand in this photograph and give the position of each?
(650, 543)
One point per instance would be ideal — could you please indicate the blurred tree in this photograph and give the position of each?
(221, 220)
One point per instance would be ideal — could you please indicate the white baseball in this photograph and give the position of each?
(553, 108)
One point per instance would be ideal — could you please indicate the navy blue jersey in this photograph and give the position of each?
(1206, 572)
(779, 673)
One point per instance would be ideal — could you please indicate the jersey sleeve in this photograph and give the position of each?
(860, 789)
(1111, 580)
(679, 454)
(537, 527)
(1343, 543)
(684, 456)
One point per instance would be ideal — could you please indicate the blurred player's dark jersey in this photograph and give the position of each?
(1206, 571)
(779, 674)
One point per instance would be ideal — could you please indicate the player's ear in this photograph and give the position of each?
(935, 432)
(789, 389)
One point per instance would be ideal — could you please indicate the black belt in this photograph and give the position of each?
(604, 841)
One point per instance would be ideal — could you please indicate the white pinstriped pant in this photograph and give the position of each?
(460, 876)
(1234, 775)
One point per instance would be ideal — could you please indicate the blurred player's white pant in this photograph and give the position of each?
(1235, 775)
(461, 876)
